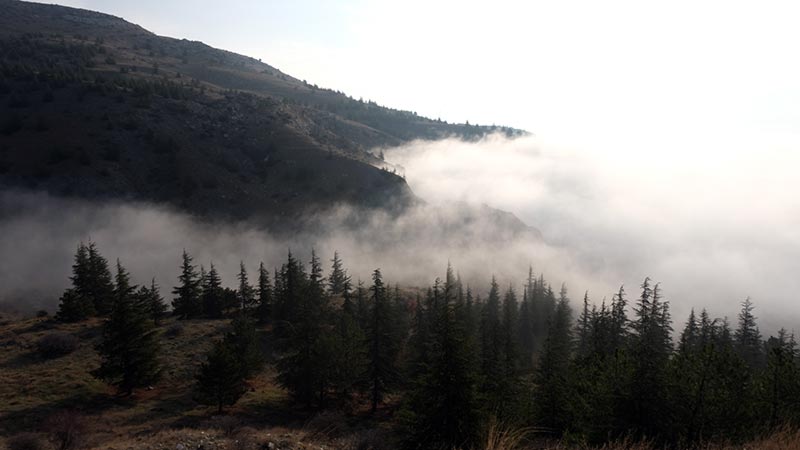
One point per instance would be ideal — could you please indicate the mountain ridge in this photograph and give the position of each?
(98, 107)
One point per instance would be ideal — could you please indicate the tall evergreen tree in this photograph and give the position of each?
(648, 404)
(748, 338)
(212, 293)
(306, 366)
(187, 303)
(495, 385)
(152, 301)
(553, 394)
(100, 287)
(338, 278)
(382, 370)
(76, 303)
(243, 341)
(441, 410)
(264, 311)
(220, 381)
(129, 347)
(247, 298)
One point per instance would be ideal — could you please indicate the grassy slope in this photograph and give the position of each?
(32, 389)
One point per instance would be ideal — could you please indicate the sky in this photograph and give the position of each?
(645, 75)
(666, 134)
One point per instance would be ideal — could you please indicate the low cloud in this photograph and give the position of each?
(713, 230)
(713, 227)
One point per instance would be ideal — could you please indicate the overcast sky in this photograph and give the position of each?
(642, 74)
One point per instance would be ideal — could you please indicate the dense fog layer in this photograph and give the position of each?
(39, 234)
(712, 230)
(714, 224)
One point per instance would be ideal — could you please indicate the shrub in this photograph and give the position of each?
(68, 430)
(26, 441)
(42, 313)
(174, 330)
(228, 425)
(56, 344)
(375, 439)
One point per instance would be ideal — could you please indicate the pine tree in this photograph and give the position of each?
(264, 311)
(351, 351)
(247, 298)
(129, 347)
(338, 278)
(212, 293)
(781, 380)
(153, 302)
(748, 338)
(305, 367)
(382, 371)
(220, 381)
(651, 348)
(494, 379)
(243, 342)
(510, 327)
(100, 286)
(584, 328)
(92, 289)
(187, 304)
(552, 378)
(72, 307)
(441, 411)
(76, 303)
(526, 338)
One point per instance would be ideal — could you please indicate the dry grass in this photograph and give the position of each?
(33, 389)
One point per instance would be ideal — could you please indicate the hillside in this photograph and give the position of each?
(35, 388)
(96, 107)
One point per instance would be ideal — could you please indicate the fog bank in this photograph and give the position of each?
(713, 224)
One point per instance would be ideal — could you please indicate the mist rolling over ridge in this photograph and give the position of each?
(713, 229)
(199, 250)
(409, 247)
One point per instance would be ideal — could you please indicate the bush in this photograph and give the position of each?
(42, 313)
(26, 441)
(56, 344)
(228, 425)
(68, 430)
(174, 330)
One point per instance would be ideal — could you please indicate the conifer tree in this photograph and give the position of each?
(220, 381)
(382, 371)
(647, 404)
(494, 379)
(264, 311)
(212, 293)
(247, 298)
(553, 394)
(781, 380)
(187, 304)
(584, 328)
(510, 326)
(100, 287)
(243, 342)
(152, 301)
(441, 410)
(526, 337)
(748, 338)
(73, 307)
(351, 351)
(76, 303)
(305, 367)
(338, 278)
(129, 347)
